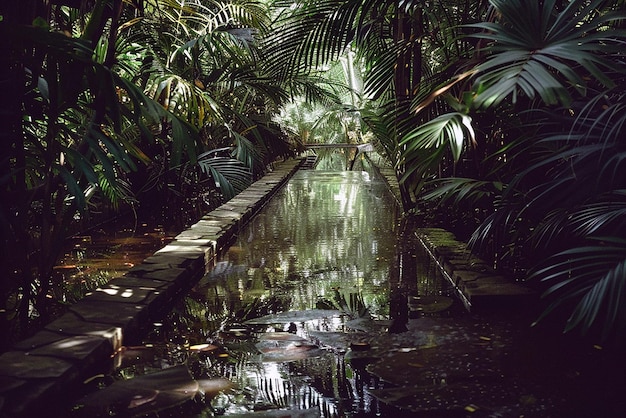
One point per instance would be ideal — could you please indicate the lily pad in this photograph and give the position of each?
(286, 351)
(368, 325)
(144, 394)
(430, 304)
(293, 316)
(280, 336)
(336, 340)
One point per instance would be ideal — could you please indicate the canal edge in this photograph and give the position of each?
(479, 286)
(38, 371)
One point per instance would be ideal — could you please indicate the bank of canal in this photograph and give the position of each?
(372, 330)
(325, 305)
(39, 372)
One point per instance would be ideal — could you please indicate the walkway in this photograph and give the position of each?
(36, 375)
(477, 284)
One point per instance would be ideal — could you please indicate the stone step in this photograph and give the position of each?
(37, 373)
(479, 286)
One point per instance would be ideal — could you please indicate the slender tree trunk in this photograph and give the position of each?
(401, 91)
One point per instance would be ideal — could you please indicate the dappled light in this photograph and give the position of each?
(326, 208)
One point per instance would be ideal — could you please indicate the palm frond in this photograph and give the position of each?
(230, 175)
(594, 277)
(539, 53)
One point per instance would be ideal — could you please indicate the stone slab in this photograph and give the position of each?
(140, 282)
(169, 275)
(41, 338)
(478, 283)
(121, 315)
(75, 349)
(22, 365)
(112, 292)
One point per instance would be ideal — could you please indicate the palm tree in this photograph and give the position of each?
(555, 71)
(118, 87)
(406, 47)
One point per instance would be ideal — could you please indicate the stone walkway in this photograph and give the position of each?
(480, 287)
(37, 373)
(477, 284)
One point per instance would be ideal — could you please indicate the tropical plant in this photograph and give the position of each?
(407, 50)
(555, 70)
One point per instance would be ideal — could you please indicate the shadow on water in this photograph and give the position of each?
(326, 306)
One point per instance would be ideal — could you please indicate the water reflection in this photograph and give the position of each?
(325, 231)
(373, 330)
(328, 240)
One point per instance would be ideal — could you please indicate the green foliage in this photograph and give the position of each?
(537, 50)
(109, 95)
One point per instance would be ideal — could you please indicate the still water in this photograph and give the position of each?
(326, 306)
(326, 248)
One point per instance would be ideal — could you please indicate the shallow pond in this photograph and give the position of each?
(326, 306)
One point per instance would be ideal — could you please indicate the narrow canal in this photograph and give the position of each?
(325, 305)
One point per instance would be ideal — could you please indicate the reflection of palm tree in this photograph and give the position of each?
(456, 113)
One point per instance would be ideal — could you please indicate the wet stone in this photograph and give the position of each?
(453, 264)
(23, 365)
(75, 348)
(196, 241)
(224, 213)
(464, 276)
(148, 267)
(253, 195)
(139, 282)
(115, 293)
(168, 275)
(194, 260)
(204, 227)
(39, 339)
(119, 314)
(71, 324)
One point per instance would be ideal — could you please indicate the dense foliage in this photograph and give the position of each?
(115, 104)
(504, 118)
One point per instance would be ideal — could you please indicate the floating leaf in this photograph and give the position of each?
(285, 351)
(144, 394)
(280, 336)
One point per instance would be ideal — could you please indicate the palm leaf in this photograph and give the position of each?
(594, 276)
(230, 175)
(538, 52)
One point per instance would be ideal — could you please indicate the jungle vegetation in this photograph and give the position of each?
(504, 121)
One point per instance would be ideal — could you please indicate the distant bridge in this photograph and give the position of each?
(360, 147)
(311, 160)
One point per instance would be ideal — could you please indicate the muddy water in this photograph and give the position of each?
(325, 306)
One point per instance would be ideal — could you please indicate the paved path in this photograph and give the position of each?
(37, 373)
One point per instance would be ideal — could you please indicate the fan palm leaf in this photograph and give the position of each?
(538, 52)
(592, 277)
